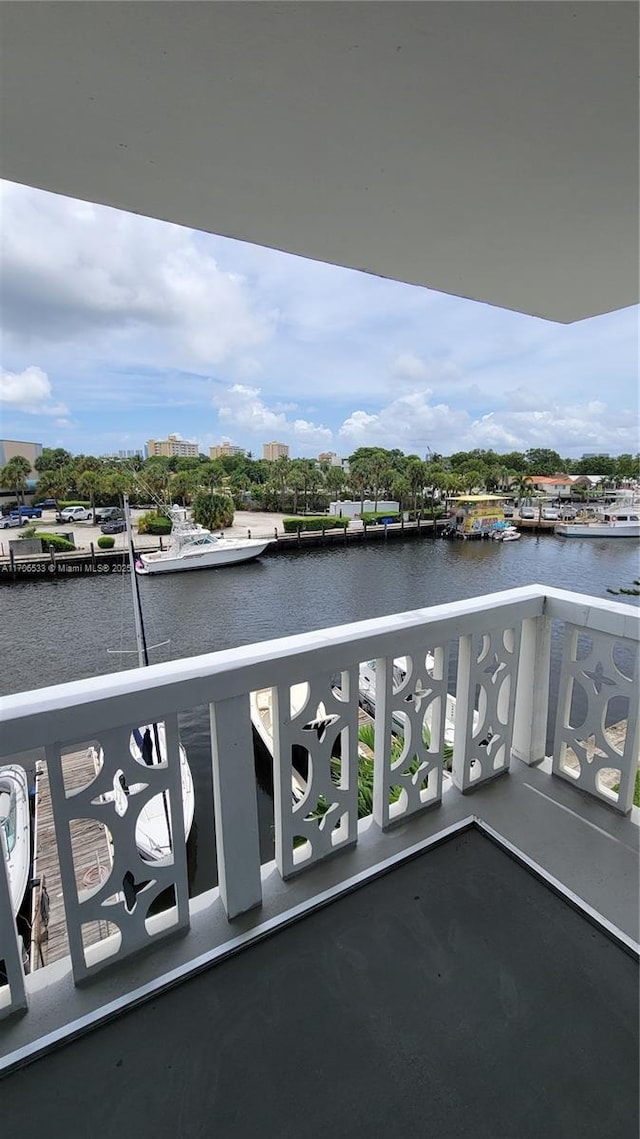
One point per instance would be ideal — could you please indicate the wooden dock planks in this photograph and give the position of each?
(92, 859)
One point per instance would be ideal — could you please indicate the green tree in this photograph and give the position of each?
(183, 486)
(15, 474)
(280, 475)
(543, 461)
(335, 480)
(52, 458)
(89, 484)
(213, 511)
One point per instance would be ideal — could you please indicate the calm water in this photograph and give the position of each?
(60, 630)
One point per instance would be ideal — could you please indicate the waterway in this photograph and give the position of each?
(61, 630)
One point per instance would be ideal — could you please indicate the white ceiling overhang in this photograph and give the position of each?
(488, 150)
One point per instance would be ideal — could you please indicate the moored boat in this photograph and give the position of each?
(148, 746)
(367, 688)
(193, 547)
(16, 826)
(619, 521)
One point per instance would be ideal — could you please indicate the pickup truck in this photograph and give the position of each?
(27, 512)
(73, 514)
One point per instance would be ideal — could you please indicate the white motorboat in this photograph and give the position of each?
(148, 745)
(619, 521)
(16, 825)
(193, 547)
(510, 534)
(367, 687)
(261, 704)
(153, 831)
(504, 533)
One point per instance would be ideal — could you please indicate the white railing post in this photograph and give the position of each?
(586, 753)
(532, 694)
(235, 805)
(487, 665)
(9, 944)
(464, 714)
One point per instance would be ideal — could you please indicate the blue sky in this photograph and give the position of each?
(118, 328)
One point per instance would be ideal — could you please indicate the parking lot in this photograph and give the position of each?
(260, 523)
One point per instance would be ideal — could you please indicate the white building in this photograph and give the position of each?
(351, 509)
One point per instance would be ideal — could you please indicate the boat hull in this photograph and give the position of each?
(13, 784)
(599, 530)
(211, 559)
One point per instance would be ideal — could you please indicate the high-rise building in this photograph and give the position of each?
(225, 448)
(273, 451)
(127, 454)
(171, 446)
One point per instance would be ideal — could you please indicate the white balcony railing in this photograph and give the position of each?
(503, 644)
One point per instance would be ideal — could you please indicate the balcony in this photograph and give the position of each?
(461, 961)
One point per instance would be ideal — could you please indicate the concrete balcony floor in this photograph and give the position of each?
(455, 995)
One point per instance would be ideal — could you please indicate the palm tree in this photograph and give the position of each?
(416, 473)
(281, 468)
(523, 486)
(335, 480)
(15, 475)
(297, 482)
(89, 484)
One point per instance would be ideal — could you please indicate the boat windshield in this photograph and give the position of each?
(204, 540)
(8, 818)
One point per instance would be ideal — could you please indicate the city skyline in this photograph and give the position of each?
(119, 328)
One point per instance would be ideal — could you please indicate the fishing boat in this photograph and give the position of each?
(193, 547)
(16, 827)
(148, 746)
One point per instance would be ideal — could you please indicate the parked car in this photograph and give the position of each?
(107, 513)
(48, 504)
(74, 514)
(528, 512)
(550, 514)
(508, 512)
(10, 520)
(114, 526)
(27, 512)
(568, 513)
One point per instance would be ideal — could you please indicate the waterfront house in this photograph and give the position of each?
(464, 960)
(554, 486)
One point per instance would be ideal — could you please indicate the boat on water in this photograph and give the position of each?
(261, 706)
(153, 831)
(15, 824)
(367, 688)
(193, 547)
(619, 521)
(148, 746)
(505, 533)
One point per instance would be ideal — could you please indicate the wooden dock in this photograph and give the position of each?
(92, 860)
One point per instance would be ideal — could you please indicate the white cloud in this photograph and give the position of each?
(569, 429)
(411, 422)
(243, 408)
(29, 391)
(409, 367)
(73, 271)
